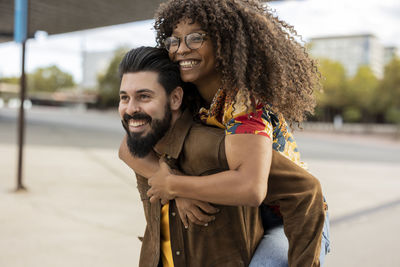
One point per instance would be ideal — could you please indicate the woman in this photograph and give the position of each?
(252, 73)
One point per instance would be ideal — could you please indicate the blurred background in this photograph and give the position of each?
(81, 206)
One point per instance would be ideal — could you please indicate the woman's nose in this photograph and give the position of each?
(183, 49)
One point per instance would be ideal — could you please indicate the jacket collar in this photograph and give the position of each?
(172, 143)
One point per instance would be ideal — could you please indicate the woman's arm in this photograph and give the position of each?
(246, 183)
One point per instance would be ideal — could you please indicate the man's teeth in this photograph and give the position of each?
(136, 123)
(188, 63)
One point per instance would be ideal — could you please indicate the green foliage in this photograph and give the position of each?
(389, 91)
(49, 79)
(109, 82)
(363, 91)
(362, 98)
(333, 84)
(12, 80)
(332, 98)
(393, 115)
(351, 114)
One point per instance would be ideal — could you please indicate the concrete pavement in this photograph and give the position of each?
(362, 185)
(82, 207)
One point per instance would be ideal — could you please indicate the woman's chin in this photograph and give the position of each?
(188, 77)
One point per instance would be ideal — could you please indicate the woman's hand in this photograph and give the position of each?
(160, 184)
(194, 210)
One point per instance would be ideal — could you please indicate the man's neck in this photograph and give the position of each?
(175, 116)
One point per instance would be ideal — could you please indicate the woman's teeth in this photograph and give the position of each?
(188, 63)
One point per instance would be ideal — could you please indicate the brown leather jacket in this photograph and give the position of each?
(232, 238)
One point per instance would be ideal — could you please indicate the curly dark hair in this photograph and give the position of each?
(254, 50)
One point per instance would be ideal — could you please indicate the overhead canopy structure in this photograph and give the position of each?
(64, 16)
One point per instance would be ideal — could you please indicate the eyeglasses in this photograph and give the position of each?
(192, 40)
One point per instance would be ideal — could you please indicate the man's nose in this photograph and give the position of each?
(132, 107)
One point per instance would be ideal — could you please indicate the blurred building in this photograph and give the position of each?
(352, 51)
(390, 53)
(94, 63)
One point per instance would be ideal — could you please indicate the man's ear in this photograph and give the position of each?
(175, 98)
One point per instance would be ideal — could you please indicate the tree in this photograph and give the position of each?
(11, 80)
(362, 93)
(108, 83)
(389, 91)
(49, 79)
(331, 100)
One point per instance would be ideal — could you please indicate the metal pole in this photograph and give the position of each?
(21, 121)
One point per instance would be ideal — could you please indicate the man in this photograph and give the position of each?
(150, 107)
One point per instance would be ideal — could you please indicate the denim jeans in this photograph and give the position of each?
(273, 248)
(325, 241)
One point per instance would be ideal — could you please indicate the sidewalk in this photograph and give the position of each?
(81, 208)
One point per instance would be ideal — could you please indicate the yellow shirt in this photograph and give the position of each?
(166, 250)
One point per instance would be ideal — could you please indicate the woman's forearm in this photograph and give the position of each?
(225, 188)
(249, 159)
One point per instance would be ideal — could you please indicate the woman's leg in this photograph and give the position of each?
(325, 241)
(272, 250)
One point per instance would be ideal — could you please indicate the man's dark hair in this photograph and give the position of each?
(147, 58)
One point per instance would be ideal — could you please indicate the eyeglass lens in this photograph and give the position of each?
(192, 40)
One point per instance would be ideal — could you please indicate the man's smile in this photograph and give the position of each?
(136, 123)
(136, 126)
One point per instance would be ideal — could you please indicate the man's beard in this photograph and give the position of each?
(140, 146)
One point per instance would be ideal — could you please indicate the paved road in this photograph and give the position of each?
(320, 146)
(348, 147)
(360, 176)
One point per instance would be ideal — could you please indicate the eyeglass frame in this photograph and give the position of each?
(185, 39)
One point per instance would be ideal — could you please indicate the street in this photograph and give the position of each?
(361, 181)
(82, 207)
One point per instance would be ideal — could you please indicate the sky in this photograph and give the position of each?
(311, 18)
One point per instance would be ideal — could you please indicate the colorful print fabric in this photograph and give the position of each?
(238, 117)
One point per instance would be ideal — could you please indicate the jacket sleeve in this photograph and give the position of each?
(299, 196)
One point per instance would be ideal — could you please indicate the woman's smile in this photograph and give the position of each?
(188, 64)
